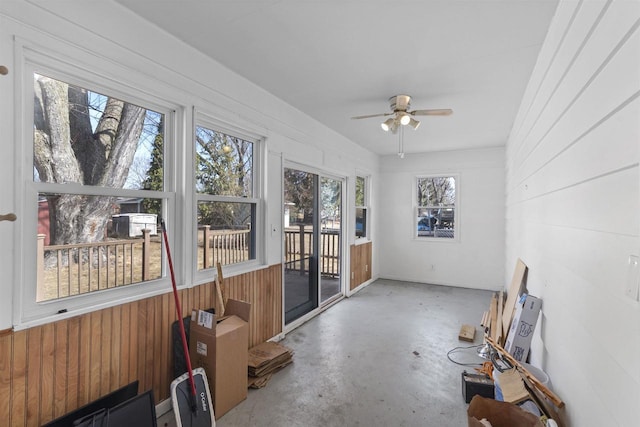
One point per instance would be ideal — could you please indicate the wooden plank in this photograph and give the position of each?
(95, 363)
(125, 326)
(141, 326)
(47, 385)
(541, 401)
(6, 346)
(19, 379)
(147, 341)
(512, 386)
(166, 348)
(105, 346)
(34, 377)
(158, 349)
(515, 288)
(493, 311)
(485, 320)
(500, 334)
(84, 356)
(467, 333)
(60, 375)
(73, 332)
(116, 344)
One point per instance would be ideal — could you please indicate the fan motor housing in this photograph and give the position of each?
(400, 102)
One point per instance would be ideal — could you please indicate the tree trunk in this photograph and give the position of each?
(66, 150)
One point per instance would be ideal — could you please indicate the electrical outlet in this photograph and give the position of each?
(632, 288)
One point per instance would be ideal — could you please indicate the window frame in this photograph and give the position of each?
(366, 207)
(27, 311)
(201, 118)
(417, 207)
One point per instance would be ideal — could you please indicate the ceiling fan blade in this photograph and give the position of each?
(372, 115)
(441, 112)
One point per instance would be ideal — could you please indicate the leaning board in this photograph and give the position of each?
(512, 296)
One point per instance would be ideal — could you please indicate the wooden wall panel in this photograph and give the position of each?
(19, 379)
(360, 264)
(34, 374)
(6, 368)
(48, 370)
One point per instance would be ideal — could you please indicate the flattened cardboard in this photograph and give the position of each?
(522, 327)
(268, 357)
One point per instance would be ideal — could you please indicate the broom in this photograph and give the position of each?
(205, 395)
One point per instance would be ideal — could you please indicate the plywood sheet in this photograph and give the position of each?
(515, 288)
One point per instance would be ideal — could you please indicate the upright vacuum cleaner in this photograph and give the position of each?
(190, 393)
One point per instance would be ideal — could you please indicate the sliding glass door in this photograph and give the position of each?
(312, 241)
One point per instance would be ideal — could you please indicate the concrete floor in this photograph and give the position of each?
(378, 358)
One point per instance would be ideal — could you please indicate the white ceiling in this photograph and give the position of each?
(334, 59)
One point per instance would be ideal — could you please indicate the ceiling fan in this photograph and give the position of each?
(399, 105)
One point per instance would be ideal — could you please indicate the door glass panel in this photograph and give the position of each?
(330, 237)
(300, 237)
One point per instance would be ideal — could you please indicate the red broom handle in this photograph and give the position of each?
(183, 334)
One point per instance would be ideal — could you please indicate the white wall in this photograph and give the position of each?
(573, 207)
(476, 259)
(138, 54)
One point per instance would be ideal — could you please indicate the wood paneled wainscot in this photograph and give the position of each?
(360, 264)
(49, 370)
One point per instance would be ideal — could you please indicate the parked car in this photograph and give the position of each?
(427, 223)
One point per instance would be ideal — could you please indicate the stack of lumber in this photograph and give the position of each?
(497, 320)
(518, 384)
(266, 359)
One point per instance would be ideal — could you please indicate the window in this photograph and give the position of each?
(226, 198)
(436, 207)
(98, 176)
(362, 200)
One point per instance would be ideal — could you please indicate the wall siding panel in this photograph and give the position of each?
(572, 204)
(48, 370)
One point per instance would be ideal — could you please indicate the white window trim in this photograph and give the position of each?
(414, 211)
(367, 205)
(28, 312)
(202, 118)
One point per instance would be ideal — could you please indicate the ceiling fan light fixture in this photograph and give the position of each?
(414, 123)
(387, 125)
(405, 119)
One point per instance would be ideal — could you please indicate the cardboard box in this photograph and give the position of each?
(522, 327)
(222, 350)
(499, 414)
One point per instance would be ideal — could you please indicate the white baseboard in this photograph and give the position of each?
(163, 407)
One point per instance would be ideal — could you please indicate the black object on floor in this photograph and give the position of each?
(139, 411)
(105, 402)
(473, 384)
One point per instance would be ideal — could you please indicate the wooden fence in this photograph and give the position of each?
(66, 270)
(223, 246)
(298, 244)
